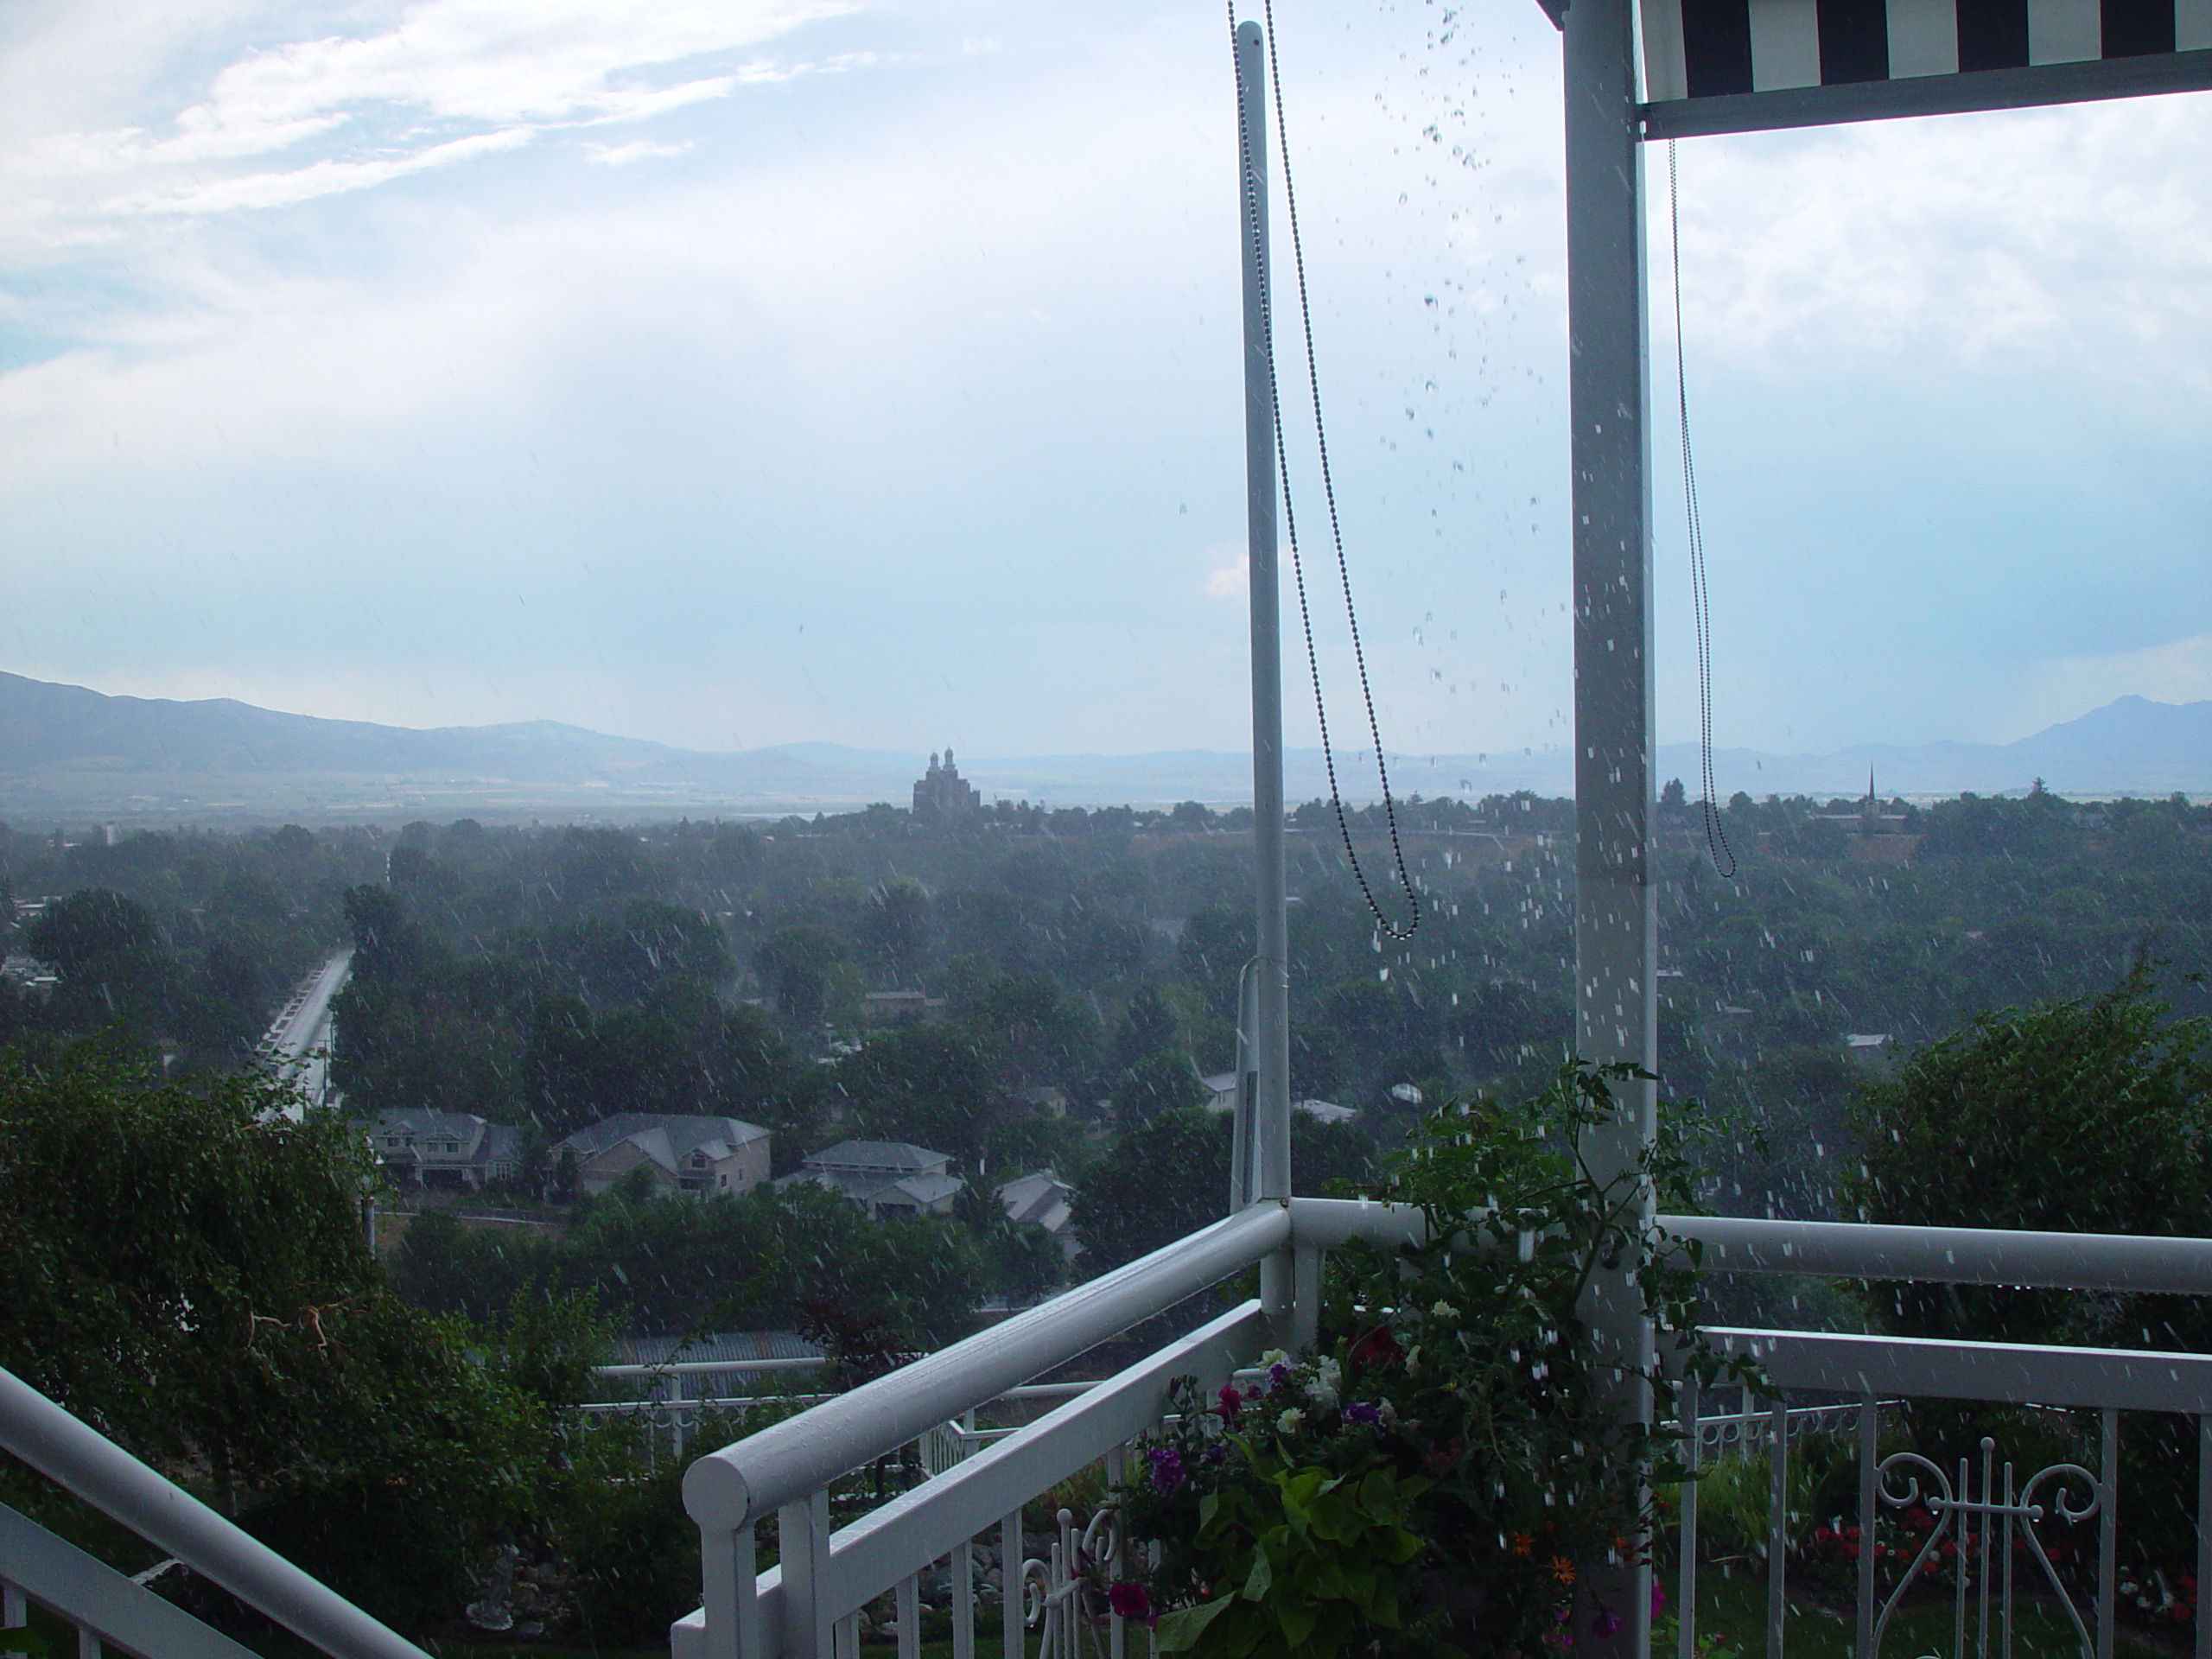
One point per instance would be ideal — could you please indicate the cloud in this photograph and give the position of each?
(453, 79)
(1975, 241)
(638, 150)
(494, 61)
(1231, 576)
(319, 179)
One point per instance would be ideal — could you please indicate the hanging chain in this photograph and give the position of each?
(1716, 835)
(1329, 489)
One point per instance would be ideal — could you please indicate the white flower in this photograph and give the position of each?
(1327, 1378)
(1290, 1420)
(1445, 1311)
(1274, 1357)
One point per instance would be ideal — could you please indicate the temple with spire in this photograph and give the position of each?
(942, 792)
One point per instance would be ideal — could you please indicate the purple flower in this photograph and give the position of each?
(1167, 1469)
(1278, 1374)
(1359, 1411)
(1216, 1456)
(1129, 1601)
(1658, 1598)
(1607, 1623)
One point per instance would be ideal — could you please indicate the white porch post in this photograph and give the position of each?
(1616, 921)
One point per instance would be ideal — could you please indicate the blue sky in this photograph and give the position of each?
(772, 370)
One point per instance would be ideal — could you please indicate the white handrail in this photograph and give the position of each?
(726, 1490)
(101, 1472)
(1957, 1255)
(1852, 1249)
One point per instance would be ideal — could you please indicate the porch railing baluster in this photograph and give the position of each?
(910, 1618)
(803, 1543)
(1984, 1518)
(2004, 1549)
(1117, 1637)
(1870, 1436)
(2204, 1536)
(1686, 1573)
(1777, 1542)
(2107, 1527)
(964, 1600)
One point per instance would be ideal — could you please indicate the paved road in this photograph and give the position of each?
(297, 1044)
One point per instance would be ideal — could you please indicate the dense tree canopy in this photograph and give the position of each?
(188, 1271)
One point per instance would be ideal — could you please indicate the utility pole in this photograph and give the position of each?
(1270, 1001)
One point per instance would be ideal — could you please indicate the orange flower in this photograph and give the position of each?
(1563, 1569)
(1523, 1543)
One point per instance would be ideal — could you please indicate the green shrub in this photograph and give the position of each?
(1431, 1479)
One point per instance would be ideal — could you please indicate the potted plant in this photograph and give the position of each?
(1431, 1478)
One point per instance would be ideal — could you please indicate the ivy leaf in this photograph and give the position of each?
(1178, 1632)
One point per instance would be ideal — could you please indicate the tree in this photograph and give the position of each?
(2093, 1115)
(652, 946)
(111, 957)
(894, 927)
(387, 944)
(929, 1084)
(799, 965)
(1159, 1083)
(1162, 1179)
(185, 1269)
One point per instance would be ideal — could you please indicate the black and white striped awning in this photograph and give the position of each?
(1735, 66)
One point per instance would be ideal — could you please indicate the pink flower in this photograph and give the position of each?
(1129, 1601)
(1232, 1403)
(1607, 1623)
(1658, 1597)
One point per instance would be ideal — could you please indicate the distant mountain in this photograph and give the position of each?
(2130, 746)
(67, 752)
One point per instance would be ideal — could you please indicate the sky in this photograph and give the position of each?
(733, 372)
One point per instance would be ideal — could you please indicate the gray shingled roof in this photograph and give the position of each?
(896, 1156)
(685, 1134)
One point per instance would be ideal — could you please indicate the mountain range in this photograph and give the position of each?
(68, 754)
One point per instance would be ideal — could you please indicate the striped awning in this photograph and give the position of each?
(1737, 66)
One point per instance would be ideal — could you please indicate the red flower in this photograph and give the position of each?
(1231, 1403)
(1374, 1346)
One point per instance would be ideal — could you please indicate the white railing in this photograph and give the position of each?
(978, 1481)
(1989, 1517)
(108, 1608)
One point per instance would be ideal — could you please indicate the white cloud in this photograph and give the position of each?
(318, 179)
(494, 61)
(1231, 574)
(638, 150)
(2024, 237)
(450, 80)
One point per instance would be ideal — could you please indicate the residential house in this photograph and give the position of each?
(884, 1177)
(453, 1151)
(721, 1155)
(1043, 1199)
(899, 1008)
